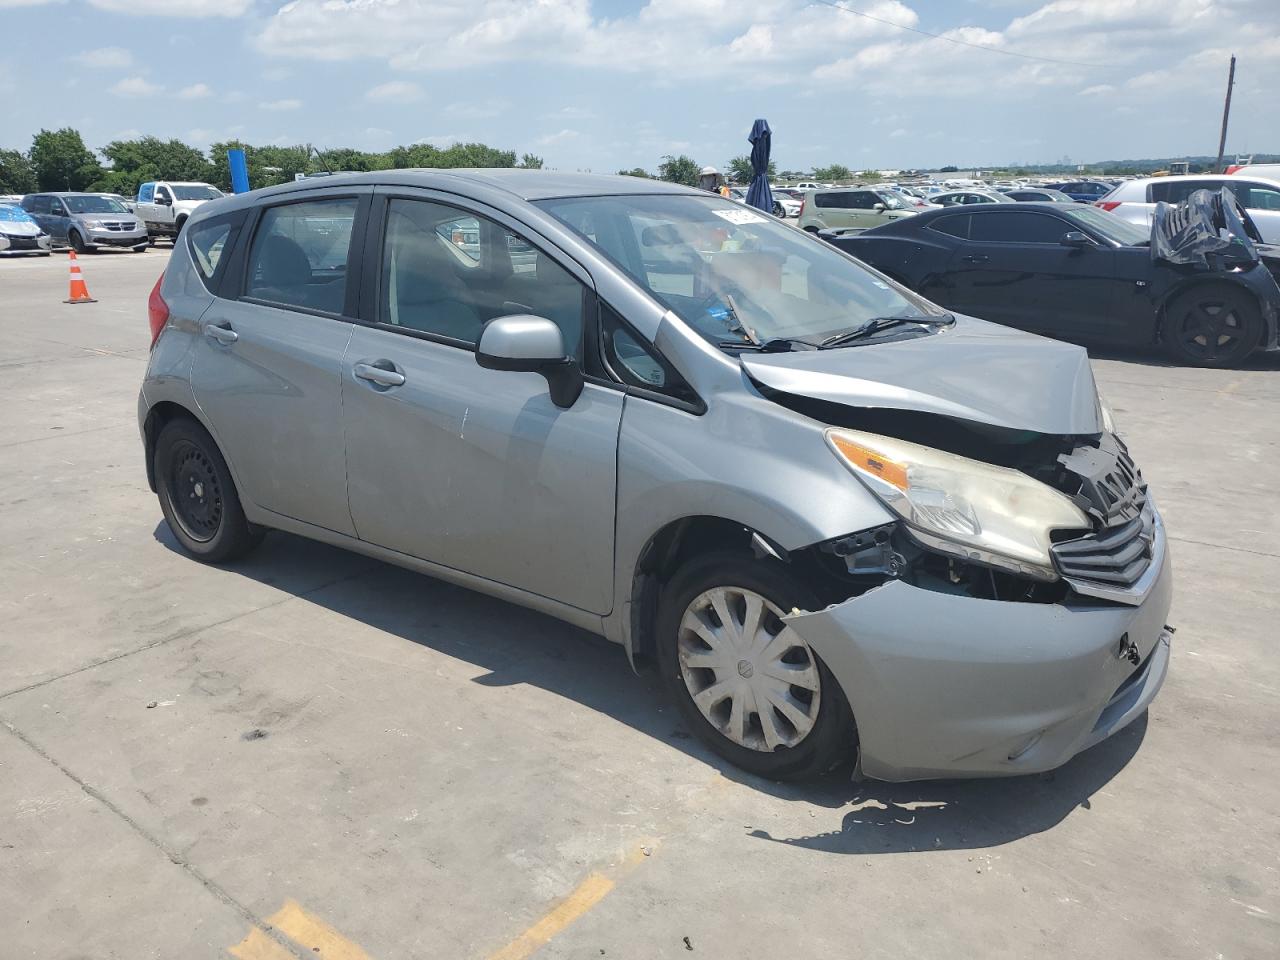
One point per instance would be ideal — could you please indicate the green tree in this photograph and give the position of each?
(739, 169)
(636, 172)
(16, 173)
(835, 171)
(947, 169)
(150, 158)
(679, 169)
(62, 161)
(530, 162)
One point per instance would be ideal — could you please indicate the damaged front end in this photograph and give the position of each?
(970, 639)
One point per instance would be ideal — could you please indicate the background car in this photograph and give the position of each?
(86, 221)
(864, 207)
(1135, 200)
(126, 202)
(19, 233)
(957, 197)
(1037, 195)
(1076, 272)
(1083, 191)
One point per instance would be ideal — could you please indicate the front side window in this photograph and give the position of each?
(299, 254)
(147, 193)
(1017, 227)
(1256, 196)
(162, 193)
(736, 276)
(448, 272)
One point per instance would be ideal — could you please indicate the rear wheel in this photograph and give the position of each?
(744, 681)
(1212, 326)
(198, 496)
(811, 229)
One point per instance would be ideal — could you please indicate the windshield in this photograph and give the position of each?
(92, 204)
(735, 275)
(1112, 227)
(14, 214)
(196, 191)
(891, 200)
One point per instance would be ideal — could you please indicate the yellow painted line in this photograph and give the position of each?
(258, 946)
(585, 896)
(313, 934)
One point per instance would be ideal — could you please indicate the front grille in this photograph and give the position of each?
(1117, 556)
(116, 225)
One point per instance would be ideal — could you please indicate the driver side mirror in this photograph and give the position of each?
(1076, 239)
(878, 208)
(532, 345)
(163, 200)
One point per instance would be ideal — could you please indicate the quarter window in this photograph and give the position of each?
(299, 254)
(1017, 227)
(209, 241)
(635, 363)
(448, 273)
(955, 226)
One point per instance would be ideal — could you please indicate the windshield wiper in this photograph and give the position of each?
(772, 345)
(876, 324)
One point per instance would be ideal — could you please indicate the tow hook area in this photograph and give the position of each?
(1129, 651)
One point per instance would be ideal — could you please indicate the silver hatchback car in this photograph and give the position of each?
(840, 522)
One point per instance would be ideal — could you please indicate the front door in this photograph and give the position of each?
(268, 365)
(470, 468)
(1014, 270)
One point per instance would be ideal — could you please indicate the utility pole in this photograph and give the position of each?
(1226, 112)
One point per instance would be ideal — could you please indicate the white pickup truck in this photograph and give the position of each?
(164, 205)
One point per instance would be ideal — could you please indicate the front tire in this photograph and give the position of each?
(198, 496)
(76, 241)
(745, 683)
(1212, 325)
(141, 248)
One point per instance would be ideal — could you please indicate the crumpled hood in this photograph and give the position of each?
(973, 370)
(20, 228)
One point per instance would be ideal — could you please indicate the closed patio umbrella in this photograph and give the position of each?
(759, 195)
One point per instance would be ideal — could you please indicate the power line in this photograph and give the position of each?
(961, 43)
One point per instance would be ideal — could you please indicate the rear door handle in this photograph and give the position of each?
(379, 372)
(221, 332)
(976, 258)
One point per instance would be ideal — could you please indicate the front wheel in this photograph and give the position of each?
(1212, 326)
(198, 496)
(743, 680)
(141, 248)
(76, 241)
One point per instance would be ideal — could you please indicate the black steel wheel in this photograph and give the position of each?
(198, 496)
(1212, 326)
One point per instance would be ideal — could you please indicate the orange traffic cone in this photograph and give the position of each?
(79, 292)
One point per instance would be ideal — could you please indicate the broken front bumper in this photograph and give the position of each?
(947, 685)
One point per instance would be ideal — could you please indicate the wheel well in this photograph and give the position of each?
(162, 413)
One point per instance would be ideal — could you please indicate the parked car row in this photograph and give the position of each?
(751, 460)
(86, 222)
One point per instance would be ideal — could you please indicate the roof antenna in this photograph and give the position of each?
(319, 156)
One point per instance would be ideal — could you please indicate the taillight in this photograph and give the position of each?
(1107, 205)
(1232, 168)
(157, 311)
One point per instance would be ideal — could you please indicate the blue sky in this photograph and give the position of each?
(605, 84)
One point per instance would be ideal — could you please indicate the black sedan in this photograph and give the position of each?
(1077, 273)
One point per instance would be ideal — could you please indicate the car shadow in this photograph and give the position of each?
(519, 646)
(1151, 357)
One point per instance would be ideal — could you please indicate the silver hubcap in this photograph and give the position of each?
(749, 673)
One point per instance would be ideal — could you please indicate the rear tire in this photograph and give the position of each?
(141, 248)
(1211, 325)
(809, 726)
(198, 496)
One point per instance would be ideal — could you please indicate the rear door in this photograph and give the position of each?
(470, 468)
(268, 365)
(1014, 270)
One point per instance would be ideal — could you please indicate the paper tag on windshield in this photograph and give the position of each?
(739, 216)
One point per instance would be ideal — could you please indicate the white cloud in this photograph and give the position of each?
(105, 57)
(559, 137)
(176, 8)
(25, 3)
(136, 87)
(1097, 90)
(196, 91)
(286, 104)
(395, 91)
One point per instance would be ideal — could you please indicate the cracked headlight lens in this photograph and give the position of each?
(968, 509)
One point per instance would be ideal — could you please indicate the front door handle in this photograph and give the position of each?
(976, 258)
(379, 372)
(221, 332)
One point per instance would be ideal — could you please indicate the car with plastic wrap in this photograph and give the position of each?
(1077, 272)
(843, 524)
(20, 234)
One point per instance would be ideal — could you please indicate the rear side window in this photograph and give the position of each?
(299, 254)
(1256, 196)
(210, 244)
(835, 200)
(1019, 227)
(955, 226)
(1178, 190)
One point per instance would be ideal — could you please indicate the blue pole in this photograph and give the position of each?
(239, 171)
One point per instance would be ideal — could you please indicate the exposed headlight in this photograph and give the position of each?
(966, 508)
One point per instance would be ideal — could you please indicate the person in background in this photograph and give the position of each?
(709, 179)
